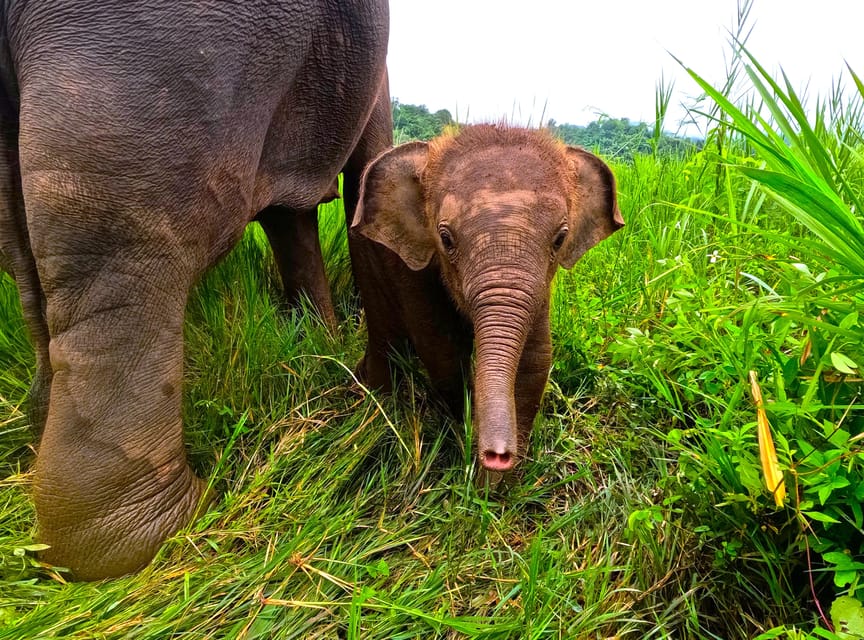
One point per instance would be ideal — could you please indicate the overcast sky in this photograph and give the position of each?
(488, 59)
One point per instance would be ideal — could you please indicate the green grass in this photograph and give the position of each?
(641, 510)
(345, 514)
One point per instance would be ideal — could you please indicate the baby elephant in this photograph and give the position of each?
(456, 243)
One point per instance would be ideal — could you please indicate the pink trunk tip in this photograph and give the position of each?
(497, 461)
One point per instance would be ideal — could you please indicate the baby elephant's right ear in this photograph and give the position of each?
(391, 210)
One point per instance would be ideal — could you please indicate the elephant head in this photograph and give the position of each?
(496, 210)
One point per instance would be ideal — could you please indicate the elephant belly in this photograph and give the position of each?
(187, 113)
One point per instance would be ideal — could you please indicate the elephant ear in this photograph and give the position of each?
(391, 209)
(594, 213)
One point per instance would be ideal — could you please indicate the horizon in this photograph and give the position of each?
(599, 119)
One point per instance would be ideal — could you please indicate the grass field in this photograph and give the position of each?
(642, 510)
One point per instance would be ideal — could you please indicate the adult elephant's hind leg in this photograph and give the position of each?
(293, 235)
(111, 480)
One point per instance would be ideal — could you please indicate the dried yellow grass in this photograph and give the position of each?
(767, 453)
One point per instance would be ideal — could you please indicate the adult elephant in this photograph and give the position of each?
(137, 140)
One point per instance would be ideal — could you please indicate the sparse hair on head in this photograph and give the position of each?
(458, 140)
(486, 134)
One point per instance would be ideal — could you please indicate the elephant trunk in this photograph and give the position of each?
(502, 319)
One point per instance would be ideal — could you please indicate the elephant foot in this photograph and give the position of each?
(322, 303)
(374, 373)
(360, 371)
(125, 537)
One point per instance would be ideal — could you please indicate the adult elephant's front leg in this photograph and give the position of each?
(111, 481)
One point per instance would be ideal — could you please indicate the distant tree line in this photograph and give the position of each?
(414, 122)
(611, 137)
(620, 138)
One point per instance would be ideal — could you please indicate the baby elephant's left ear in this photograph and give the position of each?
(594, 213)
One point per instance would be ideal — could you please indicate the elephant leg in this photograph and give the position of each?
(531, 376)
(383, 317)
(374, 369)
(449, 368)
(442, 339)
(111, 478)
(297, 250)
(385, 314)
(17, 258)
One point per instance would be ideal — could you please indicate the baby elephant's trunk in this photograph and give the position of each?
(501, 323)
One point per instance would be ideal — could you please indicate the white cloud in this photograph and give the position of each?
(488, 59)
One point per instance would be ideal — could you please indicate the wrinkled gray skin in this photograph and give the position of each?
(137, 140)
(455, 246)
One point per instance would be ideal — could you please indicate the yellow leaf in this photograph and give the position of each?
(767, 453)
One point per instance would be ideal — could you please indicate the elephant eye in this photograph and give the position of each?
(560, 237)
(446, 239)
